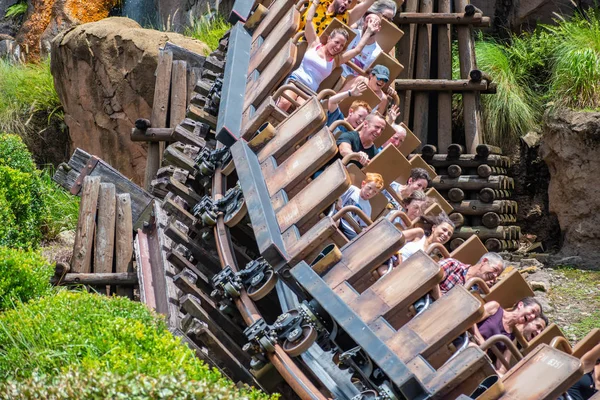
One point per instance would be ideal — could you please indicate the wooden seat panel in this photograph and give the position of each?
(418, 162)
(545, 373)
(283, 31)
(470, 251)
(279, 67)
(587, 343)
(253, 119)
(303, 122)
(545, 337)
(411, 142)
(391, 164)
(276, 12)
(510, 290)
(432, 329)
(444, 205)
(314, 198)
(398, 290)
(303, 163)
(374, 246)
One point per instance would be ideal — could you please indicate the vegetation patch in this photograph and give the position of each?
(24, 275)
(98, 345)
(208, 29)
(61, 207)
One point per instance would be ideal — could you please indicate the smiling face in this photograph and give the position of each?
(533, 328)
(356, 117)
(416, 184)
(376, 84)
(335, 44)
(372, 130)
(489, 271)
(414, 209)
(397, 138)
(441, 233)
(340, 6)
(528, 313)
(368, 190)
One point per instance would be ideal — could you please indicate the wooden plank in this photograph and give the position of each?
(121, 278)
(406, 57)
(421, 112)
(469, 182)
(471, 100)
(124, 240)
(86, 224)
(105, 230)
(444, 50)
(178, 93)
(160, 108)
(441, 85)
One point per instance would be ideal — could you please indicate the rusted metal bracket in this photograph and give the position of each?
(85, 171)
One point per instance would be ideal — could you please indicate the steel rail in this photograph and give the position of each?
(295, 378)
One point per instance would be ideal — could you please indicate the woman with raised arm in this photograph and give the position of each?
(320, 59)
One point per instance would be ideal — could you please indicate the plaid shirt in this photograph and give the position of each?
(455, 273)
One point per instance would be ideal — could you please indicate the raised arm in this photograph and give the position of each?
(358, 11)
(309, 29)
(372, 28)
(589, 359)
(333, 101)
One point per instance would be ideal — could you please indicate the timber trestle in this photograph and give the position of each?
(236, 247)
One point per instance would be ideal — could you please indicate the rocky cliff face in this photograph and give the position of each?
(570, 146)
(104, 75)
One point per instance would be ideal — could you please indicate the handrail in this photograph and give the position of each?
(350, 157)
(402, 215)
(439, 247)
(325, 93)
(509, 345)
(348, 209)
(480, 283)
(340, 122)
(560, 341)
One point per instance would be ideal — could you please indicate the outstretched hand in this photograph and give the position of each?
(373, 24)
(393, 113)
(358, 89)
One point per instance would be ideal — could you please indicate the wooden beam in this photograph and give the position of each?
(460, 85)
(406, 57)
(160, 109)
(86, 224)
(105, 230)
(443, 18)
(444, 52)
(468, 182)
(124, 240)
(421, 110)
(118, 278)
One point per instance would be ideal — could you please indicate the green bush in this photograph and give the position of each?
(21, 202)
(109, 385)
(576, 61)
(24, 275)
(24, 90)
(61, 207)
(16, 10)
(208, 29)
(79, 331)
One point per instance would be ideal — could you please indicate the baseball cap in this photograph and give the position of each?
(381, 72)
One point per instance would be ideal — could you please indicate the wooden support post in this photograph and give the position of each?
(86, 224)
(421, 113)
(455, 150)
(173, 156)
(406, 57)
(476, 207)
(455, 243)
(124, 241)
(487, 195)
(458, 219)
(100, 279)
(444, 123)
(178, 93)
(444, 18)
(105, 231)
(501, 232)
(441, 85)
(428, 151)
(484, 150)
(468, 161)
(454, 171)
(469, 182)
(160, 108)
(455, 195)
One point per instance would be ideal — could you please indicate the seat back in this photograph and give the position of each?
(587, 343)
(443, 203)
(367, 96)
(545, 373)
(470, 251)
(388, 35)
(303, 122)
(253, 119)
(371, 248)
(411, 142)
(269, 22)
(285, 29)
(260, 85)
(392, 295)
(431, 331)
(315, 197)
(418, 162)
(511, 289)
(303, 163)
(545, 337)
(391, 164)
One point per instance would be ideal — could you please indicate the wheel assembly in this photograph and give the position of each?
(299, 340)
(261, 285)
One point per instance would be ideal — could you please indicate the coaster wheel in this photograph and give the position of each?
(258, 292)
(298, 346)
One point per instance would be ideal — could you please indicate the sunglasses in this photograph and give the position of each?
(384, 80)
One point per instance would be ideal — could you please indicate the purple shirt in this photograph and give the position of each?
(493, 326)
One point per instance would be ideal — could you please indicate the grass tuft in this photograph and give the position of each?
(24, 90)
(62, 208)
(16, 10)
(208, 29)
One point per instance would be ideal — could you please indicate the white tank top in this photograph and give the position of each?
(313, 69)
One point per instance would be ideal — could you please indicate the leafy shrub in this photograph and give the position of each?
(24, 90)
(208, 29)
(24, 275)
(107, 384)
(576, 61)
(79, 331)
(21, 202)
(61, 207)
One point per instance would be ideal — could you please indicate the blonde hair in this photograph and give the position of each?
(374, 177)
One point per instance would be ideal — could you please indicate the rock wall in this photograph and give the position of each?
(176, 14)
(104, 75)
(571, 147)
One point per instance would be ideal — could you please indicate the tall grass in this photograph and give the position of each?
(24, 90)
(576, 61)
(62, 208)
(208, 29)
